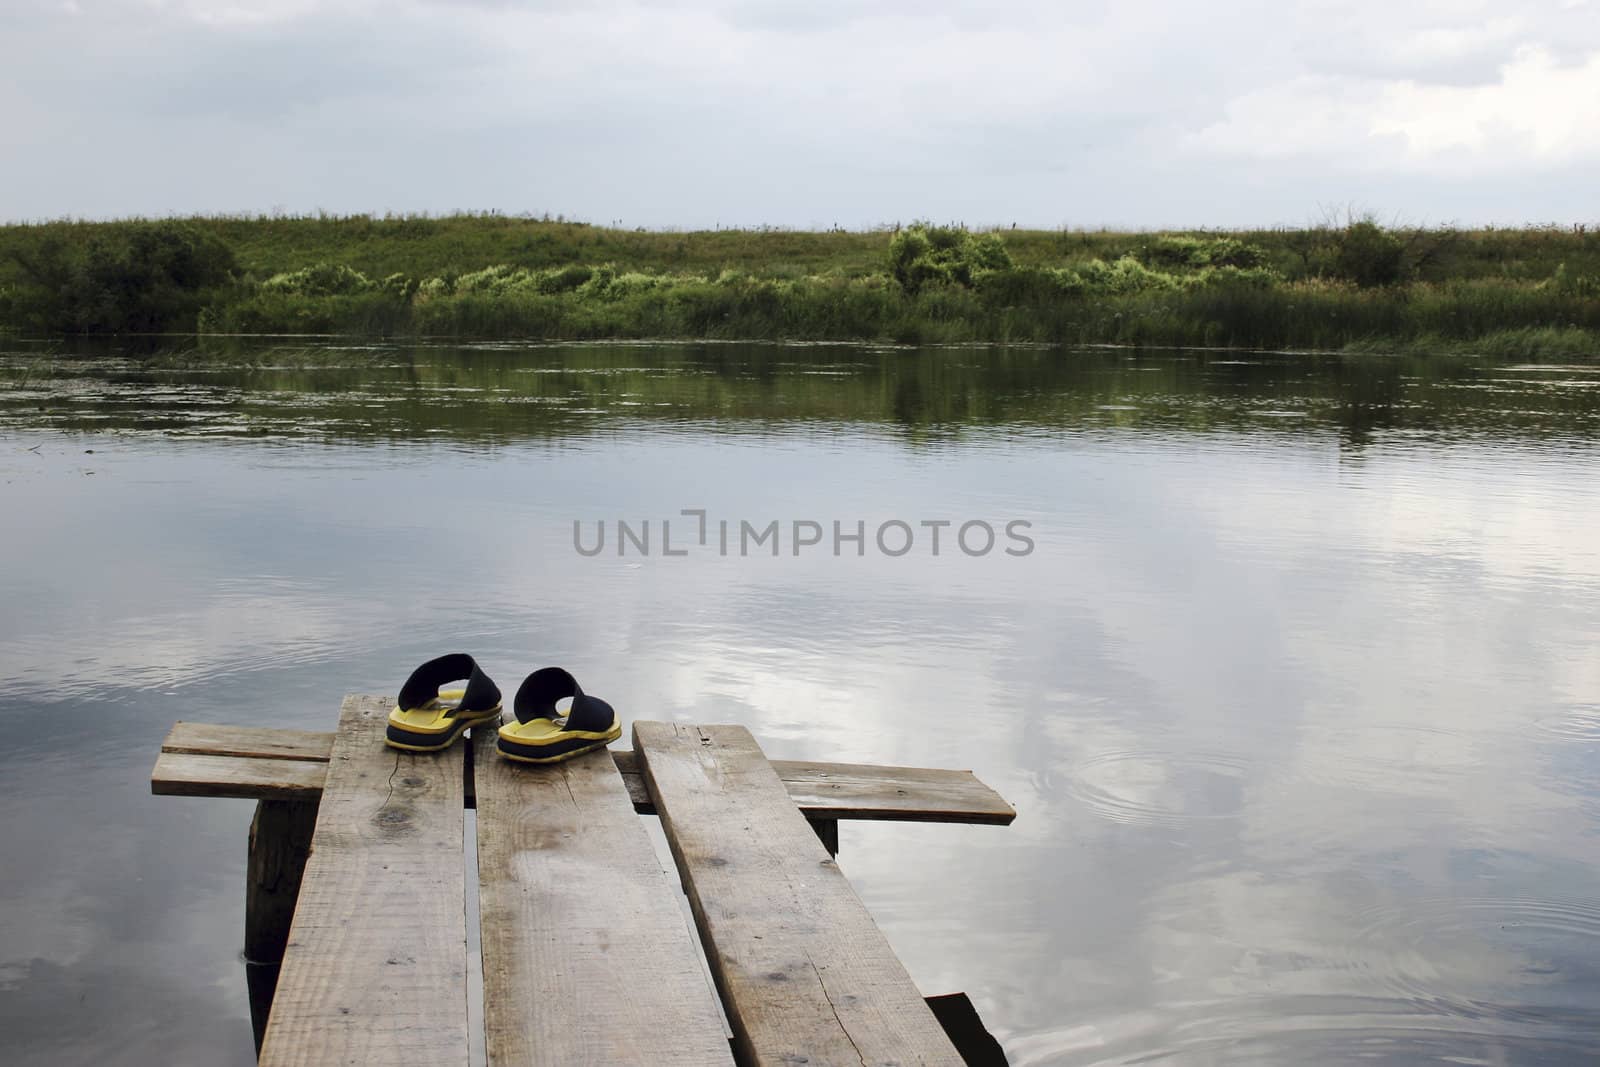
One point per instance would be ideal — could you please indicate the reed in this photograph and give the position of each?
(490, 276)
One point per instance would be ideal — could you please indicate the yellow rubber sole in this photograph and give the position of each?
(450, 739)
(556, 759)
(432, 729)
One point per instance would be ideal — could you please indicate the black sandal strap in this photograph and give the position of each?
(425, 682)
(536, 699)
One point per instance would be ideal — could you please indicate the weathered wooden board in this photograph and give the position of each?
(805, 974)
(239, 761)
(375, 969)
(899, 794)
(865, 791)
(257, 742)
(183, 774)
(586, 955)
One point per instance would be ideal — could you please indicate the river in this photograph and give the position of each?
(1289, 663)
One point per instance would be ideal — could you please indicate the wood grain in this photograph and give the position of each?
(182, 774)
(805, 974)
(257, 742)
(587, 958)
(864, 791)
(897, 794)
(375, 969)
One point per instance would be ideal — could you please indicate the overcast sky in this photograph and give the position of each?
(806, 113)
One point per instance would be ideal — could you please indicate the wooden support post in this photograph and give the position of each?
(280, 841)
(966, 1031)
(828, 833)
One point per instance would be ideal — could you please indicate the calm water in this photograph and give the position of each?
(1297, 695)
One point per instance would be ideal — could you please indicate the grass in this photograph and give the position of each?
(1521, 291)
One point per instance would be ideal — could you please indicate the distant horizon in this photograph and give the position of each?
(1327, 222)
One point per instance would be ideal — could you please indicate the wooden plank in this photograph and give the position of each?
(864, 791)
(898, 794)
(822, 790)
(181, 774)
(804, 973)
(256, 742)
(375, 970)
(586, 954)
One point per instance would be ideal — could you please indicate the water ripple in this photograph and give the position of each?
(1579, 722)
(1161, 788)
(1314, 1029)
(1453, 955)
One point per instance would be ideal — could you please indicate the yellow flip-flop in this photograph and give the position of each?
(542, 734)
(429, 718)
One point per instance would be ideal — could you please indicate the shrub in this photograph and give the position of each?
(922, 255)
(145, 277)
(1016, 286)
(987, 252)
(635, 282)
(1252, 277)
(564, 279)
(322, 279)
(1571, 283)
(1196, 253)
(435, 289)
(598, 282)
(1368, 255)
(400, 286)
(1126, 275)
(497, 279)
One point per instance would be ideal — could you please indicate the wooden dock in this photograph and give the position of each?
(586, 954)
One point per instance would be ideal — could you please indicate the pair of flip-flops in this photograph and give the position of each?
(428, 717)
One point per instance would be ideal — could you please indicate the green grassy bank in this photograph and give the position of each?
(1528, 292)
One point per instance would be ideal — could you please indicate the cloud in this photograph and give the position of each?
(1535, 113)
(1538, 110)
(1307, 116)
(673, 112)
